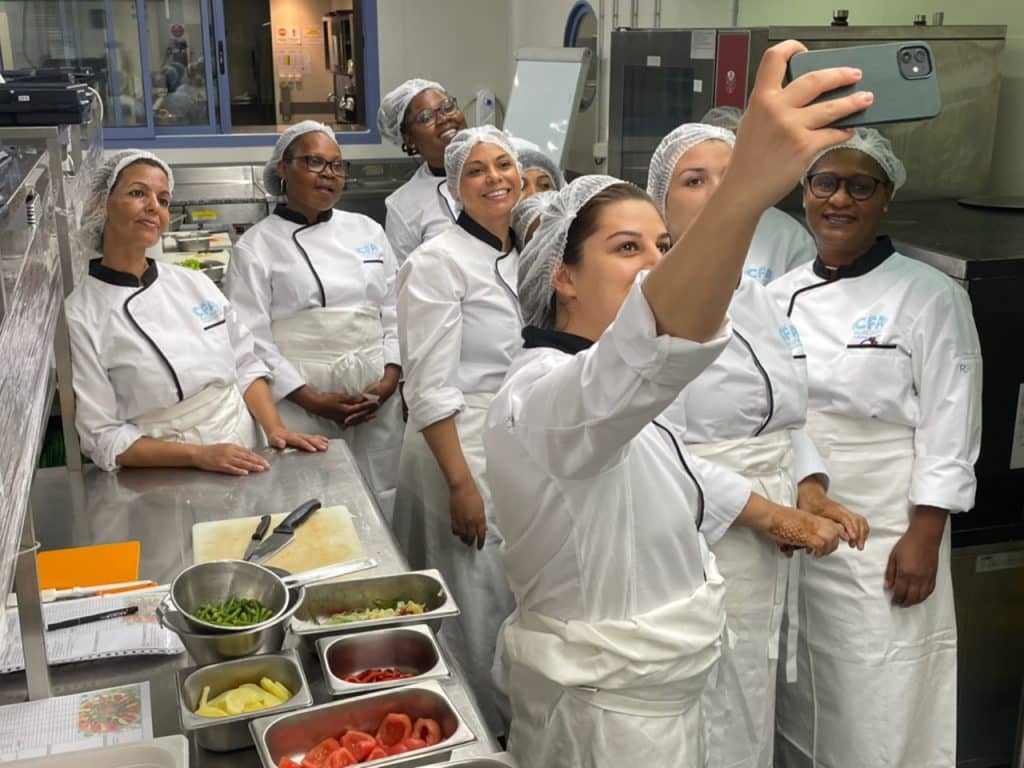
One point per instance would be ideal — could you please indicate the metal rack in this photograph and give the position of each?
(40, 265)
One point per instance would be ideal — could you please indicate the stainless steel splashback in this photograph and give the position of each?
(947, 157)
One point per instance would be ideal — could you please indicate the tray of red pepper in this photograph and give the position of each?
(385, 728)
(379, 675)
(379, 659)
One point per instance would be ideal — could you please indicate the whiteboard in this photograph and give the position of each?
(545, 97)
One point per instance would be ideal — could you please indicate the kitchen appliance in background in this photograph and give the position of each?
(663, 77)
(343, 43)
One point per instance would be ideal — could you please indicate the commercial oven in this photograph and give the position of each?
(663, 77)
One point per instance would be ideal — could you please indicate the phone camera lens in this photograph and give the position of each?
(919, 56)
(906, 56)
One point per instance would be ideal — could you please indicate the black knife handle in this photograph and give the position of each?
(298, 516)
(261, 529)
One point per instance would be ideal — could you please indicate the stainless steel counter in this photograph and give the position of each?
(158, 507)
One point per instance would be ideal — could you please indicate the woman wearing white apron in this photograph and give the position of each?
(422, 118)
(164, 373)
(894, 369)
(745, 412)
(458, 322)
(619, 604)
(317, 287)
(780, 242)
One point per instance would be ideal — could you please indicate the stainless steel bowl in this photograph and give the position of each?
(192, 242)
(323, 600)
(207, 648)
(497, 760)
(223, 734)
(411, 648)
(294, 734)
(216, 581)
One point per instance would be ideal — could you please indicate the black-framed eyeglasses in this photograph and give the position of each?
(427, 116)
(859, 186)
(317, 164)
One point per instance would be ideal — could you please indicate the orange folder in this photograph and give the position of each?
(89, 566)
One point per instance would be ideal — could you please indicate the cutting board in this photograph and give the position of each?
(327, 537)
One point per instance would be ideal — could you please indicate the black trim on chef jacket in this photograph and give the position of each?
(444, 201)
(875, 255)
(439, 173)
(288, 214)
(473, 227)
(767, 381)
(128, 280)
(534, 337)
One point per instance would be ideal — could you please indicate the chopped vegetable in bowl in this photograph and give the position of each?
(235, 612)
(382, 610)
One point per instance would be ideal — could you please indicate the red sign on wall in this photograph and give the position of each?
(731, 64)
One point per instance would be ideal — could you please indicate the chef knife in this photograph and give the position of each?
(257, 536)
(284, 532)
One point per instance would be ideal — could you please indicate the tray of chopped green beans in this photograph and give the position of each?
(234, 612)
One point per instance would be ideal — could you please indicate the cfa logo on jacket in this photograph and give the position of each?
(791, 338)
(763, 275)
(868, 327)
(208, 312)
(369, 250)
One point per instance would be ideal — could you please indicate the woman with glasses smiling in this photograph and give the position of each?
(421, 118)
(317, 287)
(894, 408)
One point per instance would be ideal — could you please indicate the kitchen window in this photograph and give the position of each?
(180, 73)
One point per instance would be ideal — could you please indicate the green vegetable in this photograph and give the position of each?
(235, 612)
(191, 264)
(391, 609)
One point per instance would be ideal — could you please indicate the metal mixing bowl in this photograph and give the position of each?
(192, 242)
(207, 648)
(216, 581)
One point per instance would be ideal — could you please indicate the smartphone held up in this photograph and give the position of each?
(902, 76)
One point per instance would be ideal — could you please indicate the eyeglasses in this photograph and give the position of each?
(859, 187)
(429, 115)
(317, 164)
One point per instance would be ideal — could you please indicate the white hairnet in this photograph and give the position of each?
(457, 152)
(544, 254)
(271, 181)
(527, 211)
(876, 146)
(94, 211)
(723, 117)
(393, 107)
(673, 147)
(531, 157)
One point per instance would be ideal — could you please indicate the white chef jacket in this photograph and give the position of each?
(758, 385)
(780, 244)
(284, 265)
(418, 210)
(139, 345)
(599, 511)
(893, 339)
(458, 320)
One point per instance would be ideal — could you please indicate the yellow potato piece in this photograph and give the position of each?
(208, 711)
(206, 695)
(275, 689)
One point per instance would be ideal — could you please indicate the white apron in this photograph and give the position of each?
(740, 709)
(341, 349)
(422, 526)
(615, 692)
(877, 682)
(215, 414)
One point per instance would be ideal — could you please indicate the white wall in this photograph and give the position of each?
(463, 44)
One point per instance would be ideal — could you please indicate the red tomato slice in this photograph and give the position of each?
(287, 762)
(360, 744)
(377, 753)
(317, 756)
(394, 728)
(397, 749)
(340, 758)
(428, 730)
(413, 743)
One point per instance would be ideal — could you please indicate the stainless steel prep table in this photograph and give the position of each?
(158, 507)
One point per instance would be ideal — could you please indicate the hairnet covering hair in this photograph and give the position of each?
(876, 146)
(94, 212)
(527, 210)
(271, 181)
(673, 147)
(544, 254)
(723, 117)
(393, 107)
(531, 157)
(457, 152)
